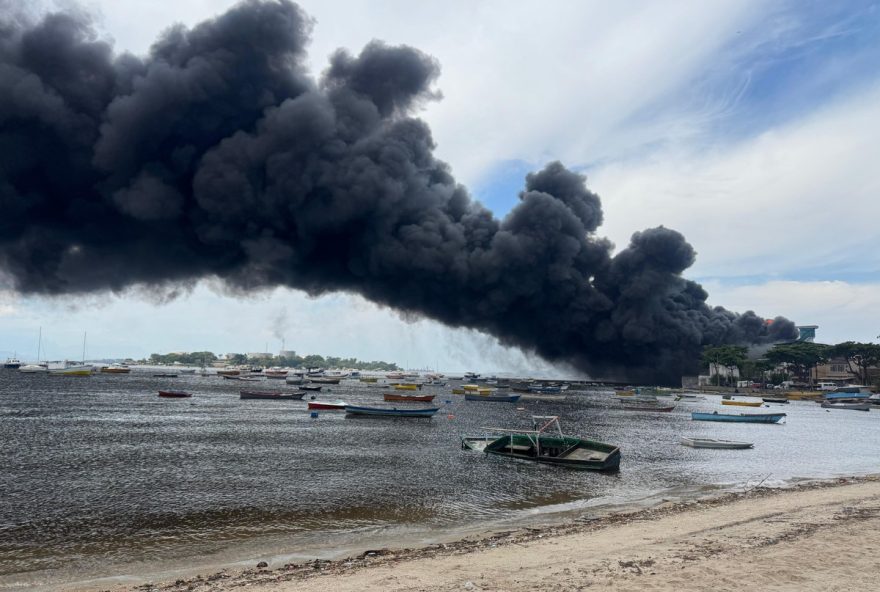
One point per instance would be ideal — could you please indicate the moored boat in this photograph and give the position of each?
(164, 375)
(408, 398)
(738, 417)
(324, 380)
(712, 443)
(849, 406)
(390, 411)
(273, 396)
(34, 369)
(228, 372)
(742, 403)
(407, 387)
(649, 407)
(540, 397)
(115, 369)
(78, 370)
(538, 445)
(779, 400)
(12, 363)
(492, 398)
(307, 387)
(327, 406)
(174, 394)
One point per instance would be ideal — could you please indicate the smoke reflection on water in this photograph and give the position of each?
(100, 472)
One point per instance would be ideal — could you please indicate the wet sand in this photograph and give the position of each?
(816, 536)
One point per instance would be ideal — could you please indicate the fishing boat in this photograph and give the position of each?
(174, 394)
(116, 369)
(541, 445)
(273, 396)
(738, 417)
(743, 403)
(390, 411)
(780, 400)
(408, 398)
(492, 398)
(324, 380)
(307, 387)
(849, 406)
(276, 373)
(12, 363)
(712, 443)
(327, 406)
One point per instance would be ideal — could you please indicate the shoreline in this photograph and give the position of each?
(362, 568)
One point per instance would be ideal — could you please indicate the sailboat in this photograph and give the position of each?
(38, 367)
(75, 369)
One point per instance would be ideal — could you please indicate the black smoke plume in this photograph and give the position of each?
(218, 155)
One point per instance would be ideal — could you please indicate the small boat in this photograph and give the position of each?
(492, 398)
(12, 363)
(539, 397)
(850, 406)
(294, 379)
(711, 443)
(174, 394)
(273, 396)
(115, 369)
(323, 380)
(306, 387)
(243, 378)
(780, 400)
(276, 374)
(458, 391)
(407, 387)
(743, 403)
(368, 379)
(648, 407)
(537, 445)
(187, 371)
(228, 372)
(164, 375)
(78, 370)
(471, 387)
(408, 398)
(33, 369)
(327, 406)
(738, 417)
(687, 398)
(390, 411)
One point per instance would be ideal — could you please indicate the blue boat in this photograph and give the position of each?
(492, 398)
(741, 417)
(390, 411)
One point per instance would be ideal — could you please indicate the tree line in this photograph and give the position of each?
(794, 360)
(206, 358)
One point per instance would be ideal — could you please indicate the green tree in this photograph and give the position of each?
(802, 356)
(729, 356)
(859, 357)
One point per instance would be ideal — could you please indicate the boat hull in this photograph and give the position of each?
(492, 398)
(174, 394)
(324, 406)
(741, 418)
(848, 406)
(385, 412)
(272, 396)
(711, 443)
(408, 398)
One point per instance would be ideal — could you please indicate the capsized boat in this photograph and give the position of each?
(174, 394)
(541, 445)
(390, 411)
(712, 443)
(738, 417)
(327, 405)
(743, 403)
(408, 398)
(271, 395)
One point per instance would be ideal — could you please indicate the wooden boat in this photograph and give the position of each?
(538, 445)
(243, 378)
(850, 406)
(407, 387)
(174, 394)
(471, 387)
(164, 375)
(458, 391)
(323, 380)
(803, 395)
(781, 400)
(648, 407)
(274, 396)
(390, 411)
(408, 398)
(228, 372)
(368, 379)
(327, 406)
(294, 380)
(711, 443)
(115, 370)
(687, 398)
(276, 374)
(306, 387)
(743, 403)
(738, 417)
(492, 398)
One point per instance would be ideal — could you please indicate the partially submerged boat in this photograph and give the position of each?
(738, 417)
(541, 445)
(270, 395)
(712, 443)
(390, 411)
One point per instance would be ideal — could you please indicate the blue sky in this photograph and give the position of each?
(751, 127)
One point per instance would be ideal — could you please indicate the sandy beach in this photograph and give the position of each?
(816, 536)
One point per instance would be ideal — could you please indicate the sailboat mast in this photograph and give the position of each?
(84, 348)
(39, 343)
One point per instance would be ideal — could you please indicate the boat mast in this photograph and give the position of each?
(84, 349)
(39, 343)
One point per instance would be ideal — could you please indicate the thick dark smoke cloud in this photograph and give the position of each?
(218, 155)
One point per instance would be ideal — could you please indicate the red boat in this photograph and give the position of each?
(408, 398)
(174, 394)
(337, 406)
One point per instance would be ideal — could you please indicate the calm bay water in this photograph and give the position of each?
(99, 475)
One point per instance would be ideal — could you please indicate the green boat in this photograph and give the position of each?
(553, 449)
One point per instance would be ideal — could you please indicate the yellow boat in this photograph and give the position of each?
(625, 393)
(369, 379)
(471, 387)
(743, 403)
(406, 387)
(803, 395)
(458, 391)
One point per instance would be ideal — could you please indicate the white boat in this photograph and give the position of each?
(712, 443)
(12, 363)
(75, 370)
(537, 397)
(38, 367)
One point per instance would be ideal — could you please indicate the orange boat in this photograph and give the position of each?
(408, 398)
